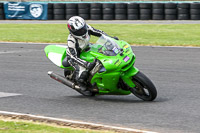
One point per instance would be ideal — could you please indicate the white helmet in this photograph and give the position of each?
(77, 27)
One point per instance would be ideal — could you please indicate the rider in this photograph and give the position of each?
(78, 40)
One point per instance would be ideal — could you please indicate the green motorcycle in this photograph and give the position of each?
(113, 74)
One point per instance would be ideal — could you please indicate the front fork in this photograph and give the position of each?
(127, 76)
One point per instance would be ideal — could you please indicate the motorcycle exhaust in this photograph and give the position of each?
(63, 80)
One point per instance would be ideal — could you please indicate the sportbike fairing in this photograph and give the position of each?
(114, 73)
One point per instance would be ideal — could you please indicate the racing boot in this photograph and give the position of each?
(82, 81)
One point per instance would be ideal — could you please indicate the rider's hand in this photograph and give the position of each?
(116, 38)
(90, 65)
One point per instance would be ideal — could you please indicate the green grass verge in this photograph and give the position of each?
(28, 127)
(136, 34)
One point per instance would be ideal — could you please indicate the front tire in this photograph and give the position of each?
(144, 88)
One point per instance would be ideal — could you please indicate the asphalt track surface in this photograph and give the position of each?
(26, 88)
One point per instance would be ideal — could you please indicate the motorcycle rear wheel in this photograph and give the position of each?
(144, 89)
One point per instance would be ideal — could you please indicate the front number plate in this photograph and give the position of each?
(126, 58)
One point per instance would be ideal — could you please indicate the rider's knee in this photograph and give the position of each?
(65, 63)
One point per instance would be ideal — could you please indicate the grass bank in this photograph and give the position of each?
(136, 34)
(8, 126)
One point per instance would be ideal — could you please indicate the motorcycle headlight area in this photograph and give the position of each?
(102, 69)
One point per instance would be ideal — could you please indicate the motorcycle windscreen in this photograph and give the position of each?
(109, 46)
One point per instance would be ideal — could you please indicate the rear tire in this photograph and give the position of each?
(144, 89)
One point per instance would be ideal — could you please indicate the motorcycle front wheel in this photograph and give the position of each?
(144, 88)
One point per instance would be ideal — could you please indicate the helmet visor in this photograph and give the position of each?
(81, 31)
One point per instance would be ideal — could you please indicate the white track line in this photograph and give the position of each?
(30, 43)
(19, 51)
(76, 122)
(4, 94)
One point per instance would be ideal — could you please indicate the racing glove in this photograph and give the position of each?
(116, 38)
(91, 65)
